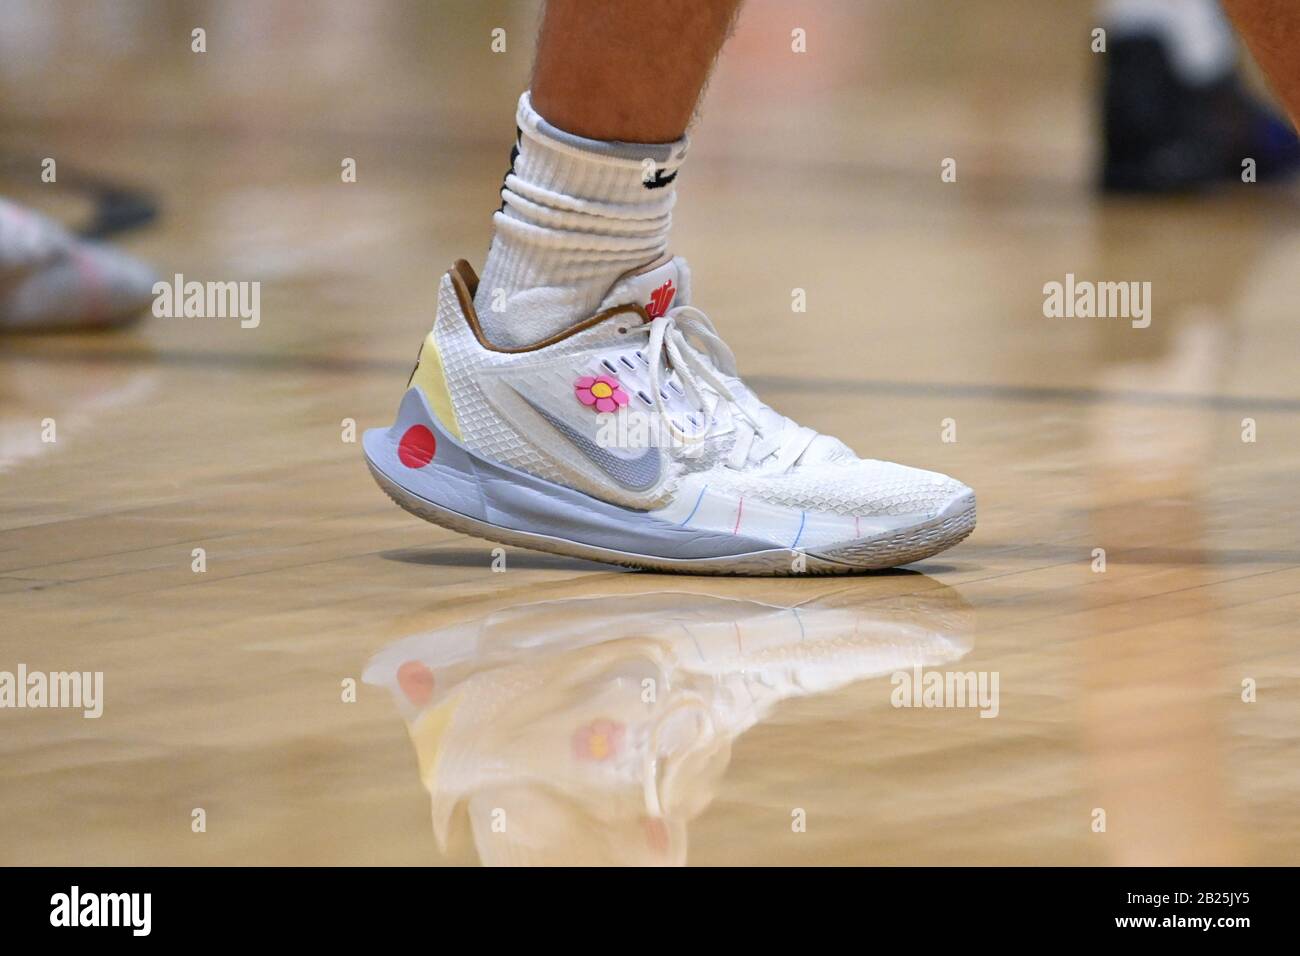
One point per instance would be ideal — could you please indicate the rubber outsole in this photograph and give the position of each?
(888, 550)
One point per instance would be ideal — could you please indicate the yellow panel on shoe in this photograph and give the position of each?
(429, 378)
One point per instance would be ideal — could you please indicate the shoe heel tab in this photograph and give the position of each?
(463, 273)
(464, 282)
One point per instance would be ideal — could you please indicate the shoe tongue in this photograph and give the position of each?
(656, 288)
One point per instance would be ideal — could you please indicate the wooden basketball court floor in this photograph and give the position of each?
(1121, 690)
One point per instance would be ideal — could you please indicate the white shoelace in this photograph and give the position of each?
(776, 437)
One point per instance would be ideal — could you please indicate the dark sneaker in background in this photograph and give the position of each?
(1164, 134)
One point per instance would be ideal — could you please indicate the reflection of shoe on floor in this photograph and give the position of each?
(592, 730)
(1162, 133)
(50, 279)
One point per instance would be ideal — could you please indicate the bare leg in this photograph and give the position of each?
(602, 135)
(1271, 29)
(629, 70)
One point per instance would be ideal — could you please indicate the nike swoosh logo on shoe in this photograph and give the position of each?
(634, 474)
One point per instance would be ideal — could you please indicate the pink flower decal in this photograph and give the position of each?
(598, 741)
(602, 392)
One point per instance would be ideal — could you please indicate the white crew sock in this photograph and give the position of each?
(577, 214)
(1196, 33)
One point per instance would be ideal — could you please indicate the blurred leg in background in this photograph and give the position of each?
(1272, 30)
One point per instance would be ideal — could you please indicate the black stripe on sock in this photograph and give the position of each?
(514, 155)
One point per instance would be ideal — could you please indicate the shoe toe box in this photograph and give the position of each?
(888, 488)
(860, 488)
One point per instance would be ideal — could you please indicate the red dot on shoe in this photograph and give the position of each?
(416, 447)
(416, 681)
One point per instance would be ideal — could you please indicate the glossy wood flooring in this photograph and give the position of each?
(773, 734)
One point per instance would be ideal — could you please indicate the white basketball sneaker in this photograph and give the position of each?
(629, 438)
